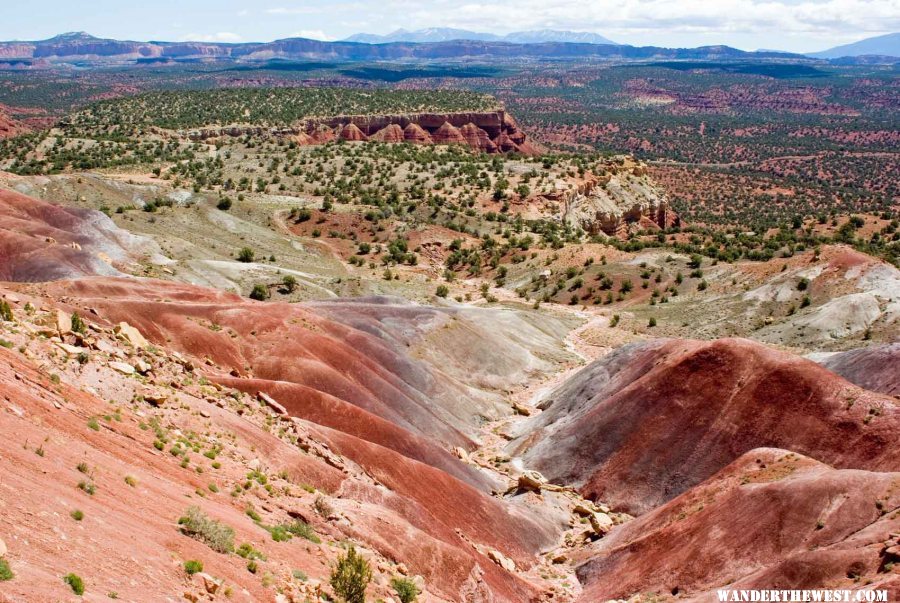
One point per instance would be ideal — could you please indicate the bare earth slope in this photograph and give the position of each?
(770, 519)
(645, 424)
(875, 367)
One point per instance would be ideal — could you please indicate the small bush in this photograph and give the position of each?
(192, 566)
(259, 293)
(75, 583)
(246, 255)
(78, 325)
(289, 282)
(406, 590)
(350, 577)
(217, 536)
(442, 291)
(224, 204)
(5, 311)
(77, 515)
(131, 480)
(5, 572)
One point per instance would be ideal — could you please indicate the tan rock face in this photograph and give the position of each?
(618, 201)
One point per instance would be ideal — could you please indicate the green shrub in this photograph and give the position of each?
(75, 583)
(77, 515)
(5, 311)
(217, 536)
(78, 325)
(246, 255)
(5, 572)
(224, 204)
(442, 291)
(350, 576)
(192, 566)
(406, 589)
(289, 282)
(259, 293)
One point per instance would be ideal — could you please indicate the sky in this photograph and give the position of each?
(791, 25)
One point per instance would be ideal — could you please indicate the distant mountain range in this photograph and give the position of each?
(887, 45)
(84, 49)
(446, 34)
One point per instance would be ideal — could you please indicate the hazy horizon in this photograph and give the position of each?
(791, 25)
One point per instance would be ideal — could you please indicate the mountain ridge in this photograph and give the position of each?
(446, 34)
(885, 45)
(86, 48)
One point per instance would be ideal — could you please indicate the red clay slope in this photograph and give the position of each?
(40, 241)
(771, 519)
(639, 427)
(361, 386)
(876, 367)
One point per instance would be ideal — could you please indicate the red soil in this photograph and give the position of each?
(770, 519)
(650, 421)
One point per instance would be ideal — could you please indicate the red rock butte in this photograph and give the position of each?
(488, 131)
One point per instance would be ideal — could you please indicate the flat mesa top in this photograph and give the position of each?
(271, 106)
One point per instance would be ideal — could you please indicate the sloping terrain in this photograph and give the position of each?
(364, 455)
(40, 241)
(770, 519)
(650, 421)
(875, 367)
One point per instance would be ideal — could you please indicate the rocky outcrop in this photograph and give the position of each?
(477, 138)
(391, 133)
(8, 127)
(448, 134)
(488, 132)
(416, 134)
(617, 200)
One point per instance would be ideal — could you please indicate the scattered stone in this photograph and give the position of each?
(130, 335)
(212, 585)
(502, 560)
(601, 523)
(461, 453)
(142, 367)
(521, 409)
(62, 322)
(155, 399)
(271, 403)
(125, 369)
(3, 549)
(532, 480)
(71, 350)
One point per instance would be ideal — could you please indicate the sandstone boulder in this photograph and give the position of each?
(532, 480)
(502, 560)
(130, 335)
(63, 322)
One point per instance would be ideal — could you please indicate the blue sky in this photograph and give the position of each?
(795, 25)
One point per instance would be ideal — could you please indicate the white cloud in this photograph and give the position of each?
(776, 17)
(222, 36)
(312, 34)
